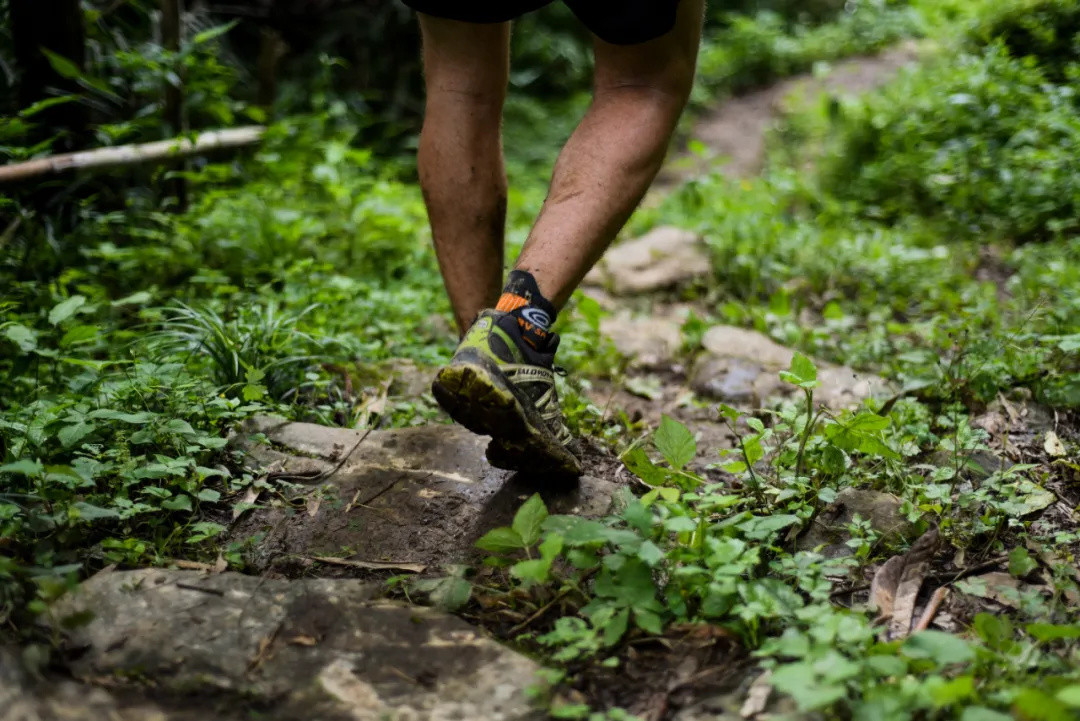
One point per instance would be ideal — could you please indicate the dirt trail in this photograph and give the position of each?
(410, 499)
(735, 131)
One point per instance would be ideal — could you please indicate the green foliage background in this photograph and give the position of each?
(134, 338)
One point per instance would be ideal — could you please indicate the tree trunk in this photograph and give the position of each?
(56, 25)
(171, 11)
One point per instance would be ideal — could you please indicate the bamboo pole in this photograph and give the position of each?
(133, 154)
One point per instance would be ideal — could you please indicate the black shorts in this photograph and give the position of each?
(620, 22)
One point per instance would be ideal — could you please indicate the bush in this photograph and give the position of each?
(983, 142)
(1047, 30)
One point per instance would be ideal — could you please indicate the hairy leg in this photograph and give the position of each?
(608, 163)
(460, 161)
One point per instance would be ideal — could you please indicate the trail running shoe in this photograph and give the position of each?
(497, 386)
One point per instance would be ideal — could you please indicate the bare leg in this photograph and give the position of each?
(460, 157)
(608, 163)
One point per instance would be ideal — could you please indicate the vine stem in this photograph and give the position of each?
(811, 421)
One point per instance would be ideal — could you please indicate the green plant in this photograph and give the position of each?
(251, 355)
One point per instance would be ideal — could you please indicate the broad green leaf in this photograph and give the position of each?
(451, 593)
(21, 336)
(1070, 696)
(995, 630)
(108, 414)
(1050, 631)
(501, 540)
(752, 448)
(728, 412)
(215, 32)
(650, 553)
(209, 495)
(180, 427)
(675, 442)
(680, 524)
(551, 547)
(1070, 343)
(1037, 705)
(1021, 562)
(80, 334)
(638, 463)
(24, 467)
(204, 530)
(536, 570)
(616, 627)
(529, 519)
(802, 372)
(938, 646)
(70, 435)
(140, 298)
(90, 512)
(181, 502)
(762, 527)
(65, 309)
(70, 70)
(954, 690)
(648, 621)
(867, 421)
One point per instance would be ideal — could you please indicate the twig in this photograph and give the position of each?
(319, 476)
(202, 589)
(931, 609)
(371, 565)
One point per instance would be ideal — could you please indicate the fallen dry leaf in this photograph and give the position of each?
(371, 565)
(313, 503)
(251, 496)
(883, 587)
(757, 697)
(302, 641)
(994, 586)
(916, 563)
(1053, 445)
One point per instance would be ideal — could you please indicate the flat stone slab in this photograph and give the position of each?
(413, 495)
(882, 510)
(661, 259)
(311, 648)
(741, 367)
(24, 698)
(647, 342)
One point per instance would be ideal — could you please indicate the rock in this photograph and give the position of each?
(414, 495)
(742, 366)
(739, 381)
(979, 464)
(311, 648)
(661, 259)
(830, 527)
(648, 342)
(57, 699)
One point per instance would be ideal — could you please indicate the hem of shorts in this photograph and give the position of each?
(478, 18)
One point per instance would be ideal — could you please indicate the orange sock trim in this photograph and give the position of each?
(510, 302)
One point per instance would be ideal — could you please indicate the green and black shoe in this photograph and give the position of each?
(498, 386)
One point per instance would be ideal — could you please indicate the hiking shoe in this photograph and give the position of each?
(496, 385)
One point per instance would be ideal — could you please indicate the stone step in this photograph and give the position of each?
(412, 495)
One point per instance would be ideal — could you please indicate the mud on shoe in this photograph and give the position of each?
(496, 385)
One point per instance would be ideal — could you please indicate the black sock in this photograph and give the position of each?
(535, 314)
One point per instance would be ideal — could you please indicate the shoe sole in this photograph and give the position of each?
(476, 395)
